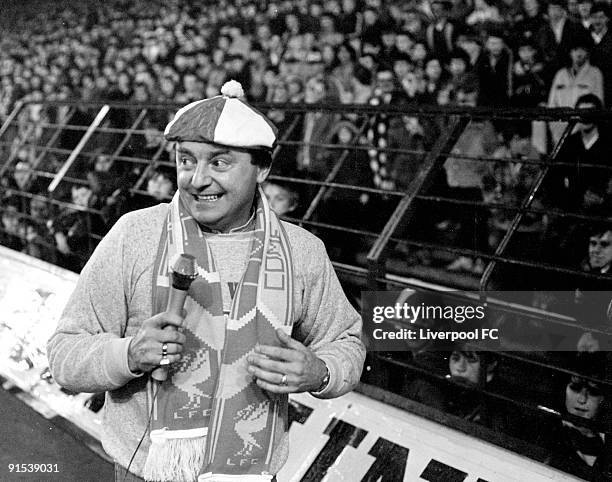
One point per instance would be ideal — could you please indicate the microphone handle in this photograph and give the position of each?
(176, 301)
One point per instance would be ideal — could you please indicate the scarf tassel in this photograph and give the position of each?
(175, 459)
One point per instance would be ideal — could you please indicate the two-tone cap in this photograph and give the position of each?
(225, 119)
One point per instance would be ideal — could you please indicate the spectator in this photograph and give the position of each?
(483, 14)
(460, 71)
(161, 184)
(586, 145)
(12, 234)
(350, 22)
(529, 86)
(584, 13)
(571, 82)
(282, 198)
(602, 49)
(507, 183)
(555, 38)
(529, 23)
(385, 93)
(469, 371)
(434, 80)
(464, 178)
(319, 89)
(440, 34)
(494, 71)
(578, 447)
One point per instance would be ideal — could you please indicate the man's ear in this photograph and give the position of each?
(262, 173)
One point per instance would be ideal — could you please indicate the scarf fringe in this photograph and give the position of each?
(175, 460)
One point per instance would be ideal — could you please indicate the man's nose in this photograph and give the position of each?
(201, 176)
(582, 396)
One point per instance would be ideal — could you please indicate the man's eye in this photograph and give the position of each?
(220, 163)
(185, 161)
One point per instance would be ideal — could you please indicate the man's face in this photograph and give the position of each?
(384, 81)
(401, 68)
(584, 9)
(585, 126)
(495, 45)
(526, 53)
(433, 69)
(599, 21)
(457, 66)
(578, 56)
(465, 367)
(403, 43)
(217, 184)
(555, 12)
(600, 250)
(583, 398)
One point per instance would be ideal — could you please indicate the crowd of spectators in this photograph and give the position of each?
(439, 52)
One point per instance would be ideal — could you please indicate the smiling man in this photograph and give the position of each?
(265, 317)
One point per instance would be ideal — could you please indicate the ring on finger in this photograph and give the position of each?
(283, 380)
(164, 350)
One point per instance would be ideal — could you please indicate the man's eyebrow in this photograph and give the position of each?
(220, 152)
(184, 150)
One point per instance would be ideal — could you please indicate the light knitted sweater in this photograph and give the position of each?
(88, 351)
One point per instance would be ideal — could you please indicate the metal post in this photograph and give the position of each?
(11, 117)
(77, 150)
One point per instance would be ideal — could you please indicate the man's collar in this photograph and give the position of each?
(591, 139)
(248, 226)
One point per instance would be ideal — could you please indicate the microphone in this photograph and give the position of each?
(183, 273)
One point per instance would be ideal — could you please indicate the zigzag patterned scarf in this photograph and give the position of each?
(210, 419)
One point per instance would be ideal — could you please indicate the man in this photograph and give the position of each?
(555, 37)
(222, 412)
(494, 71)
(584, 11)
(600, 251)
(440, 34)
(574, 81)
(586, 146)
(602, 49)
(464, 180)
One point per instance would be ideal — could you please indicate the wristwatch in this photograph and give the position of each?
(325, 381)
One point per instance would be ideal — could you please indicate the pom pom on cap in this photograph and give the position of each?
(232, 89)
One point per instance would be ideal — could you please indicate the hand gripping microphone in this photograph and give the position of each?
(182, 274)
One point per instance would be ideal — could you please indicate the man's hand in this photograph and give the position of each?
(304, 371)
(145, 351)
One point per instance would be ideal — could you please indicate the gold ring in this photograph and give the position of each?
(164, 350)
(283, 380)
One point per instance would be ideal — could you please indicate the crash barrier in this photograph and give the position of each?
(373, 197)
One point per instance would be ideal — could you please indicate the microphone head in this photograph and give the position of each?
(183, 271)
